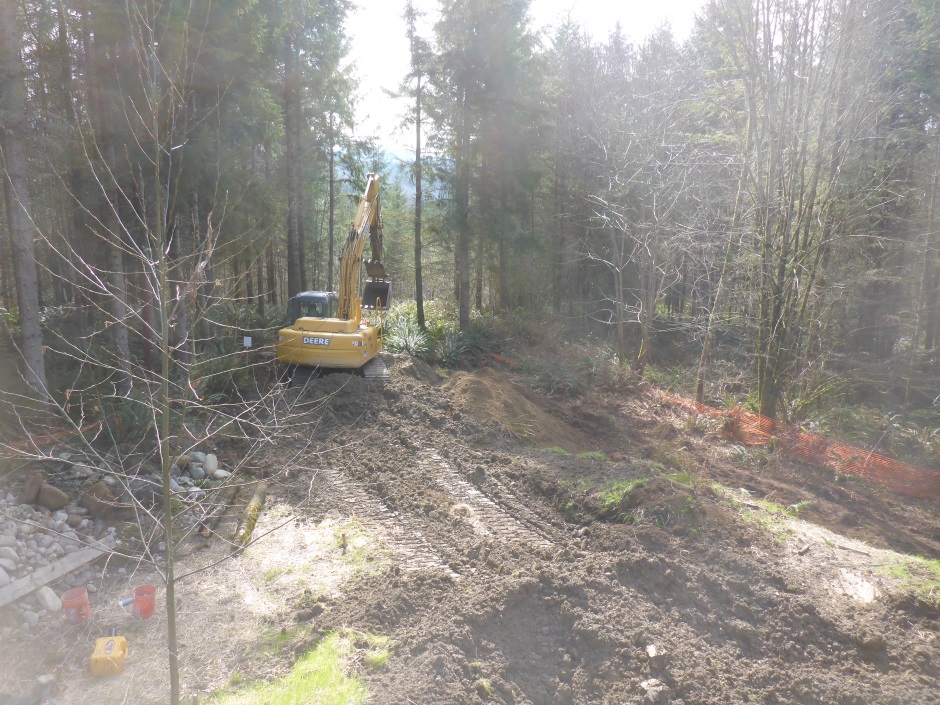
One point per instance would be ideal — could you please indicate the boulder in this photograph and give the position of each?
(211, 464)
(52, 497)
(99, 500)
(82, 470)
(4, 578)
(48, 600)
(8, 553)
(656, 691)
(30, 492)
(221, 475)
(197, 457)
(197, 473)
(183, 462)
(7, 565)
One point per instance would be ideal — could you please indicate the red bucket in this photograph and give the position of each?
(144, 601)
(75, 605)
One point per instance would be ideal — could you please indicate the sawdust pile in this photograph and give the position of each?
(488, 396)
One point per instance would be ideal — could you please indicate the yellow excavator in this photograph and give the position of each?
(327, 330)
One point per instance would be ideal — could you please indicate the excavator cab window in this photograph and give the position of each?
(311, 306)
(311, 309)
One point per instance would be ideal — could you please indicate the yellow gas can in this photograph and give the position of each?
(108, 656)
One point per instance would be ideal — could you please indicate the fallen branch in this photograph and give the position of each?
(250, 517)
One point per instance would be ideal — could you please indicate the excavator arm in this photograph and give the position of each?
(368, 220)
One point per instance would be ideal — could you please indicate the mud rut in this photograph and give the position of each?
(495, 595)
(499, 513)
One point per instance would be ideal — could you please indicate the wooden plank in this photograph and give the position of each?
(47, 574)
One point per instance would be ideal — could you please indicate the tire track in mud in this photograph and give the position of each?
(504, 517)
(497, 513)
(405, 539)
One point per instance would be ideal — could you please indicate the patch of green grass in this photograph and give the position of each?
(683, 478)
(899, 571)
(769, 515)
(272, 574)
(520, 428)
(484, 687)
(919, 575)
(274, 640)
(376, 649)
(771, 523)
(359, 548)
(612, 495)
(794, 509)
(323, 676)
(559, 450)
(593, 455)
(769, 506)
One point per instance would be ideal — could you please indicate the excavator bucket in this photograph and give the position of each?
(376, 295)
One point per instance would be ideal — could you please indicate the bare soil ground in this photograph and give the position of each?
(445, 515)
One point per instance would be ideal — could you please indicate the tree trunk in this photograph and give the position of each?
(293, 232)
(259, 266)
(419, 286)
(120, 314)
(462, 189)
(330, 255)
(15, 188)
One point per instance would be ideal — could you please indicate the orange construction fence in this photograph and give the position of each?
(743, 426)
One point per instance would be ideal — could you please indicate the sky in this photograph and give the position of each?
(380, 50)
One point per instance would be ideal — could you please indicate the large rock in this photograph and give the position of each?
(82, 470)
(183, 462)
(8, 553)
(48, 600)
(211, 464)
(8, 541)
(30, 492)
(99, 500)
(52, 497)
(4, 578)
(656, 691)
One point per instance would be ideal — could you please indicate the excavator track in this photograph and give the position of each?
(302, 376)
(376, 369)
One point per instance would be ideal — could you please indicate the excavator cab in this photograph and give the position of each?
(311, 304)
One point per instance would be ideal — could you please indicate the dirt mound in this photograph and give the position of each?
(490, 397)
(413, 367)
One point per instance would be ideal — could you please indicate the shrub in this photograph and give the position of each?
(406, 336)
